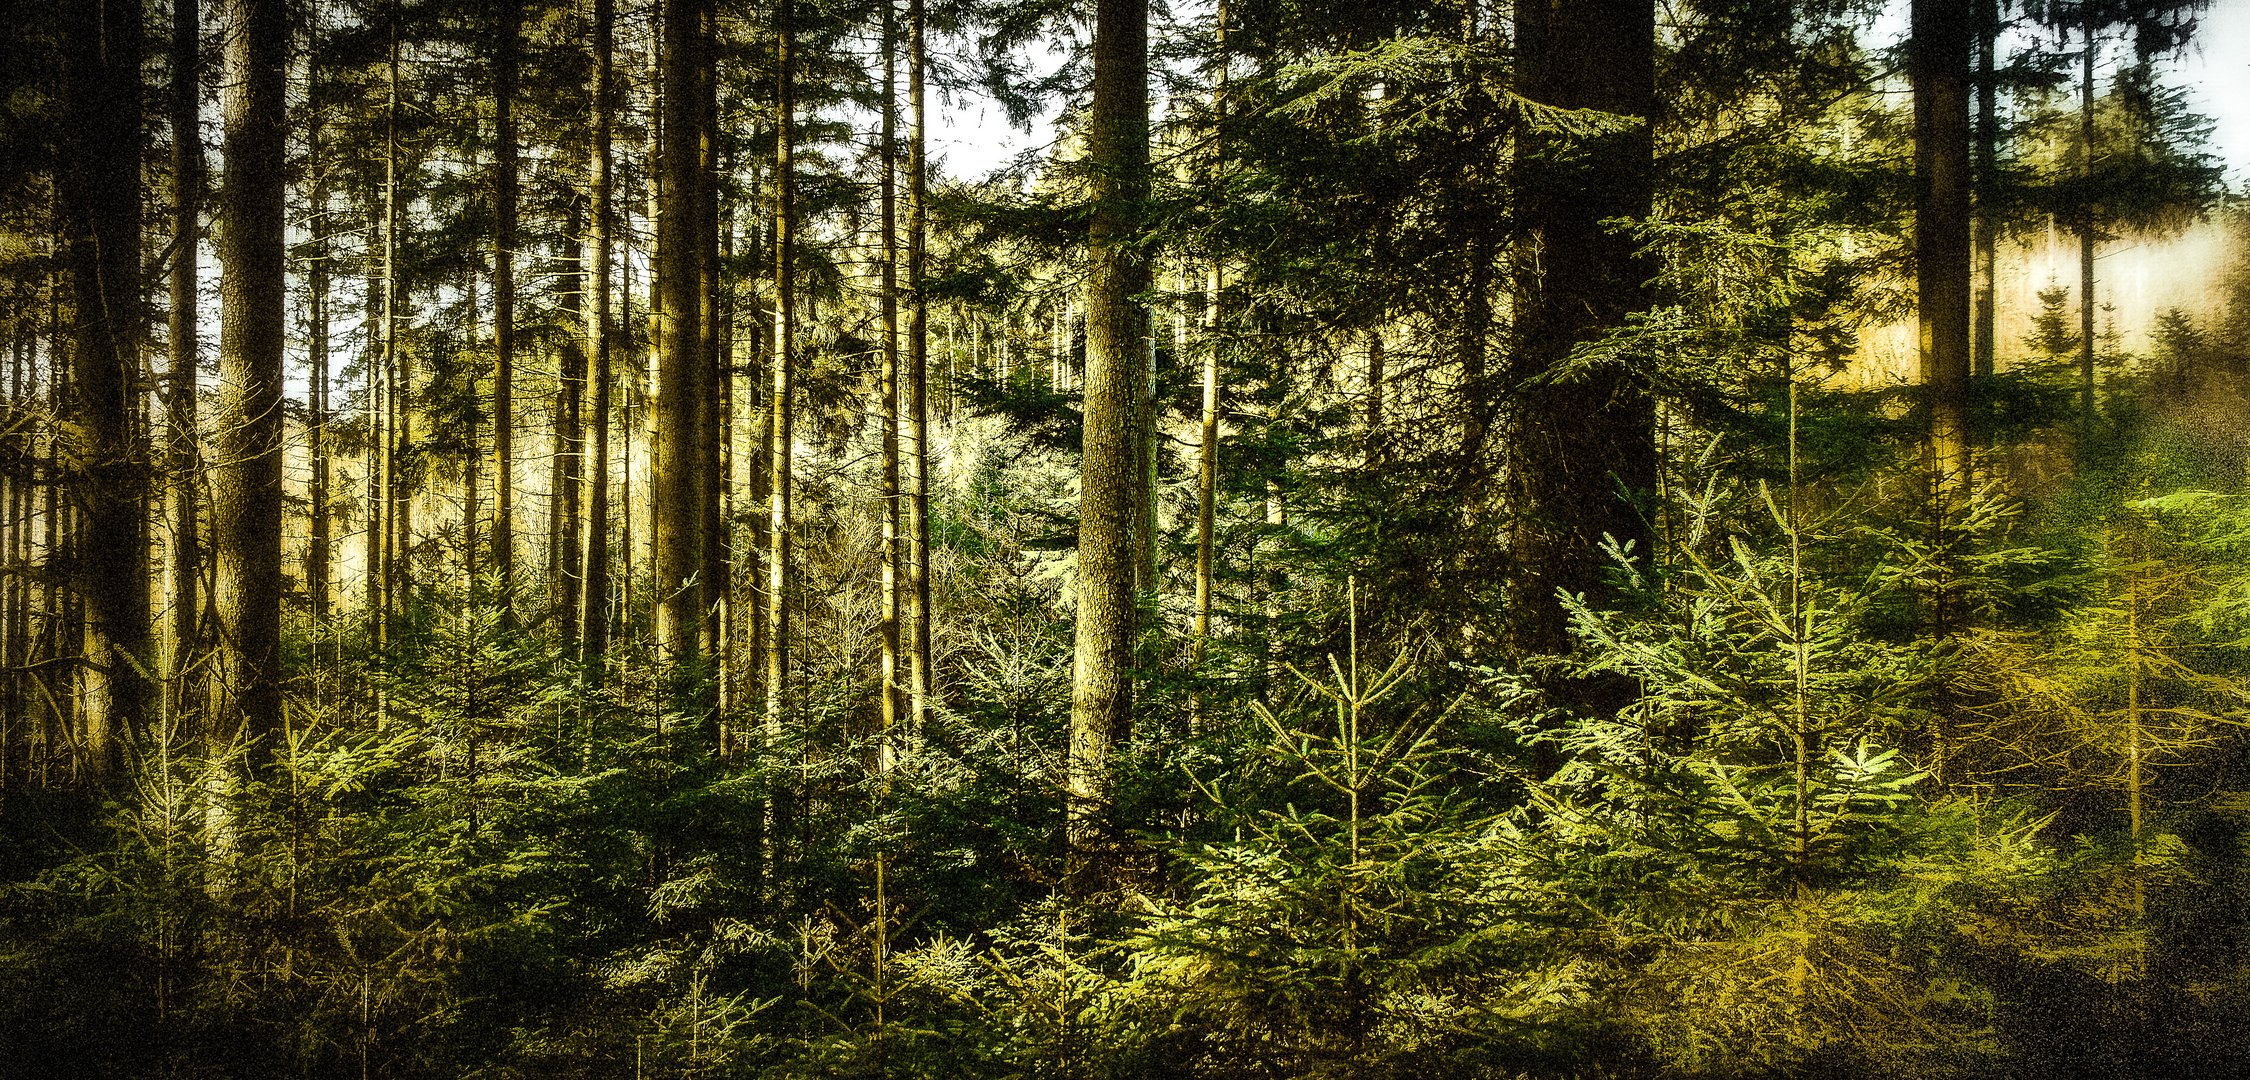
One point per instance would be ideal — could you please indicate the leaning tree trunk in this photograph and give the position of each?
(1575, 445)
(246, 504)
(99, 201)
(1111, 478)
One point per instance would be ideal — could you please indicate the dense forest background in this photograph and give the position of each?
(550, 538)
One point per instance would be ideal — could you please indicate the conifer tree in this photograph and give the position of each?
(1112, 484)
(246, 499)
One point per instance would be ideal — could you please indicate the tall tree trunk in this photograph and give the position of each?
(1987, 184)
(182, 473)
(504, 184)
(712, 419)
(895, 635)
(759, 470)
(319, 562)
(781, 419)
(1117, 145)
(99, 197)
(2086, 224)
(568, 466)
(680, 364)
(1207, 458)
(246, 504)
(920, 678)
(593, 616)
(373, 453)
(1942, 34)
(1574, 445)
(382, 571)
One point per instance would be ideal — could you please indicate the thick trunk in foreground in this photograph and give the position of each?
(246, 505)
(99, 200)
(1111, 475)
(1940, 70)
(1578, 450)
(680, 362)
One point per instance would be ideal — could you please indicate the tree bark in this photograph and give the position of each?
(1207, 458)
(504, 192)
(1111, 476)
(593, 615)
(895, 634)
(319, 560)
(181, 448)
(567, 588)
(710, 401)
(1942, 35)
(2086, 225)
(781, 418)
(1987, 183)
(246, 504)
(920, 678)
(381, 571)
(1579, 451)
(99, 201)
(680, 362)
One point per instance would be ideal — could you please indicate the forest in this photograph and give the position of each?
(569, 538)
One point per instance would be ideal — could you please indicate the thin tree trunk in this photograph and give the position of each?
(1942, 36)
(894, 673)
(319, 560)
(181, 445)
(1987, 186)
(1102, 685)
(1207, 463)
(381, 574)
(570, 435)
(246, 505)
(593, 617)
(783, 360)
(711, 421)
(920, 678)
(2086, 227)
(375, 458)
(504, 186)
(99, 200)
